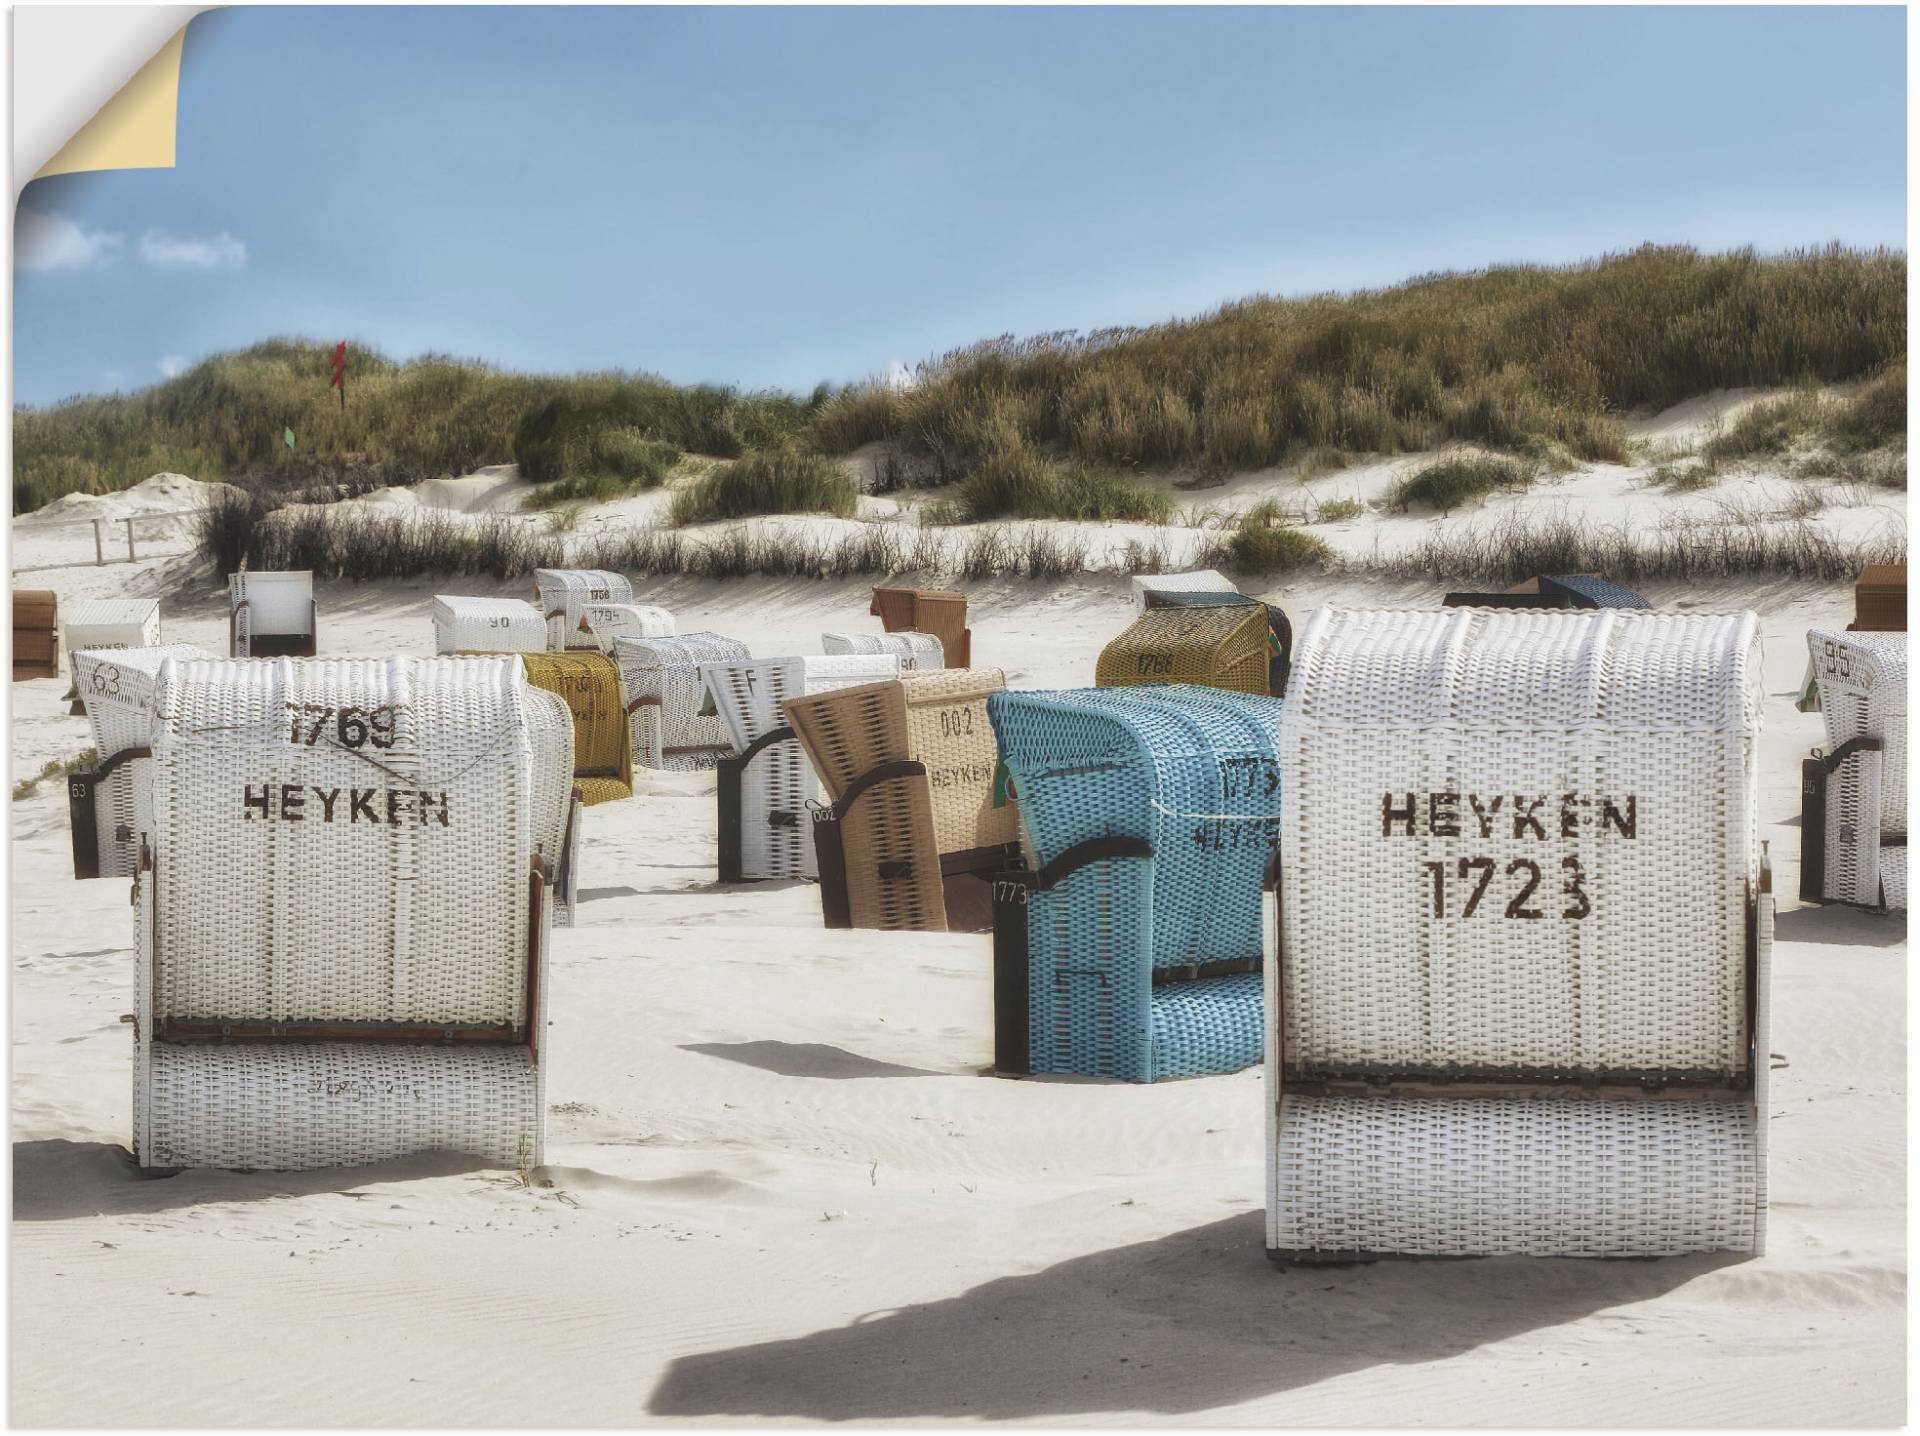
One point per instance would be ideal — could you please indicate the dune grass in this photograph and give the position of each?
(767, 481)
(1459, 479)
(1513, 358)
(1535, 361)
(1015, 481)
(1264, 540)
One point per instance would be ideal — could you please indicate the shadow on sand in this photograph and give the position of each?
(804, 1059)
(55, 1180)
(1839, 926)
(1187, 1322)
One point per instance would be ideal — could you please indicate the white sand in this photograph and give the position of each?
(781, 1188)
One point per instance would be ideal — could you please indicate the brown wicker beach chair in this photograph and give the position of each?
(36, 633)
(925, 610)
(1880, 599)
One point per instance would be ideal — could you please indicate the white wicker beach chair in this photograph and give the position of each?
(564, 596)
(1525, 926)
(914, 650)
(272, 615)
(110, 804)
(668, 720)
(765, 785)
(103, 623)
(487, 625)
(557, 820)
(342, 914)
(1203, 580)
(1853, 832)
(608, 621)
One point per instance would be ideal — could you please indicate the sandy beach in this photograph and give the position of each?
(782, 1187)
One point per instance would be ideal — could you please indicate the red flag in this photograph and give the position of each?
(339, 379)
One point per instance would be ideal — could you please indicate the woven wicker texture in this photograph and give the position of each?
(1519, 840)
(101, 623)
(887, 836)
(487, 625)
(550, 737)
(339, 842)
(914, 650)
(269, 606)
(36, 633)
(564, 594)
(939, 612)
(779, 782)
(1221, 646)
(294, 1106)
(1522, 1177)
(590, 685)
(1863, 694)
(1203, 580)
(117, 687)
(1194, 771)
(608, 621)
(948, 731)
(660, 678)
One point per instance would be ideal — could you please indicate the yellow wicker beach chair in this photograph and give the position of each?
(1223, 646)
(589, 683)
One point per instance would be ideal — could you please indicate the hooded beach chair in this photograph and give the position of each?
(110, 804)
(939, 612)
(1519, 1002)
(1853, 796)
(105, 623)
(914, 650)
(1224, 645)
(608, 621)
(487, 625)
(914, 835)
(1130, 945)
(670, 725)
(1145, 585)
(1565, 590)
(271, 615)
(589, 684)
(36, 634)
(764, 785)
(1279, 629)
(1880, 599)
(564, 594)
(342, 913)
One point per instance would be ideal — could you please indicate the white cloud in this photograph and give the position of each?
(173, 364)
(52, 241)
(166, 251)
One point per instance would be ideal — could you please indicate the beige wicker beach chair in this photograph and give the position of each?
(342, 915)
(1520, 1000)
(272, 615)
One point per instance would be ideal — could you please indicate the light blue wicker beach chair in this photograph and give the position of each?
(1131, 948)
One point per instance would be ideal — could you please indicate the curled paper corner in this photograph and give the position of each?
(135, 129)
(68, 59)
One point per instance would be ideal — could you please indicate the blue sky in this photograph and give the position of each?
(781, 196)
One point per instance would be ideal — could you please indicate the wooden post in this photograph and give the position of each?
(99, 548)
(131, 556)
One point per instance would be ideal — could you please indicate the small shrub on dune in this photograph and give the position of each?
(1335, 511)
(1459, 479)
(767, 481)
(1874, 418)
(1766, 428)
(1263, 541)
(1678, 477)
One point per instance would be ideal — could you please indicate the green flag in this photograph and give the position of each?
(288, 436)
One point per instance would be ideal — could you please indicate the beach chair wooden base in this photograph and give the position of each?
(36, 634)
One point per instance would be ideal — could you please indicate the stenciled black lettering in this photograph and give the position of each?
(328, 797)
(1627, 824)
(264, 802)
(1443, 815)
(1523, 816)
(1389, 815)
(432, 806)
(1486, 815)
(363, 803)
(292, 800)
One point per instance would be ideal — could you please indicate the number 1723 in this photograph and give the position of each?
(1464, 884)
